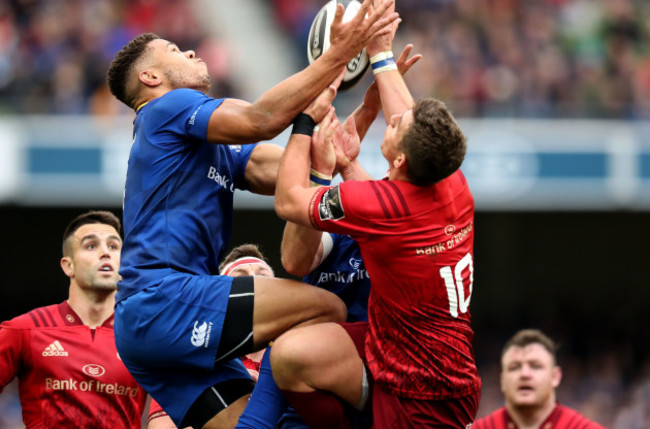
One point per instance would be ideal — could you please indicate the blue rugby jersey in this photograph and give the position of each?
(178, 198)
(343, 273)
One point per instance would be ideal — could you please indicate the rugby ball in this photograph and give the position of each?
(319, 40)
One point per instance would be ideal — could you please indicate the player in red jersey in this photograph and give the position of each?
(64, 355)
(529, 377)
(415, 231)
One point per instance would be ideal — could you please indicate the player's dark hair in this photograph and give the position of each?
(241, 251)
(527, 337)
(122, 66)
(434, 145)
(93, 216)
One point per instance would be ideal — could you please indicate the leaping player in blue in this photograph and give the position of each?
(180, 326)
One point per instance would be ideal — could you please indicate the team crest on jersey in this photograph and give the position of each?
(330, 207)
(93, 370)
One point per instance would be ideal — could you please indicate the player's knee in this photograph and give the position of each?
(336, 311)
(287, 359)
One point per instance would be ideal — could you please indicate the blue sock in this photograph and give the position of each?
(267, 403)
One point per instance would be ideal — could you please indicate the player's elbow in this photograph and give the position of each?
(283, 205)
(294, 264)
(286, 202)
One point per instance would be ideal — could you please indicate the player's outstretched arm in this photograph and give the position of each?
(293, 195)
(237, 121)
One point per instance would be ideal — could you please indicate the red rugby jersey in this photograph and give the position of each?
(417, 244)
(560, 418)
(69, 376)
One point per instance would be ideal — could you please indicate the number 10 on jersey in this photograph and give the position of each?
(453, 278)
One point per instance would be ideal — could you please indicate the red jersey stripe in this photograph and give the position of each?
(400, 197)
(42, 318)
(380, 199)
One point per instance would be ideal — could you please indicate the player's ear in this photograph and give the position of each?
(67, 266)
(556, 376)
(150, 77)
(400, 161)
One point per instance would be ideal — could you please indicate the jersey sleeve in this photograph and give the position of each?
(241, 154)
(11, 341)
(155, 411)
(346, 209)
(188, 113)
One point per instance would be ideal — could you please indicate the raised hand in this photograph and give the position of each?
(404, 63)
(347, 143)
(383, 42)
(349, 38)
(323, 157)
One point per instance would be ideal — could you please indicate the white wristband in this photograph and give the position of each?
(381, 56)
(382, 62)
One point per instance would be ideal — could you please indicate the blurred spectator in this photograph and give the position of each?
(521, 58)
(54, 53)
(596, 384)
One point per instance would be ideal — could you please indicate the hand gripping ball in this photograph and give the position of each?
(319, 40)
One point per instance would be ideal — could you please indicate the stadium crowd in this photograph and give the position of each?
(516, 58)
(54, 53)
(485, 58)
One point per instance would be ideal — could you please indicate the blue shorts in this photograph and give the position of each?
(168, 337)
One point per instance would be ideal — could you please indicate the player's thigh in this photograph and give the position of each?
(281, 304)
(321, 356)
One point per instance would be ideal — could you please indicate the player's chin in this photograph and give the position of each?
(526, 400)
(107, 285)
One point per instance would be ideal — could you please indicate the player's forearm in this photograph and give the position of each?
(301, 249)
(277, 107)
(367, 112)
(395, 95)
(292, 192)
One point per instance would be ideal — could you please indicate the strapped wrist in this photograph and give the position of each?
(319, 179)
(303, 124)
(381, 56)
(382, 62)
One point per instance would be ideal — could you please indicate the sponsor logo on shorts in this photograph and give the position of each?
(55, 349)
(201, 334)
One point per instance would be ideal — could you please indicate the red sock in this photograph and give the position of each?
(319, 409)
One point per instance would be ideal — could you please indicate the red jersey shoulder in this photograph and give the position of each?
(384, 198)
(496, 420)
(41, 317)
(565, 418)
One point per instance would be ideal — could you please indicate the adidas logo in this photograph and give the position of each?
(55, 349)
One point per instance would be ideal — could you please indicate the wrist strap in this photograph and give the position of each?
(303, 124)
(381, 56)
(382, 62)
(319, 179)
